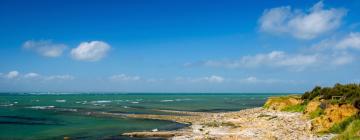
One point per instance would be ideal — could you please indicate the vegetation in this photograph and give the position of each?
(352, 132)
(295, 108)
(347, 93)
(340, 127)
(338, 94)
(318, 112)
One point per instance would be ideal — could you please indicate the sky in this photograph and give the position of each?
(178, 45)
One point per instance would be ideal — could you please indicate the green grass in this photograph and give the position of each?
(266, 106)
(340, 127)
(294, 108)
(318, 112)
(351, 132)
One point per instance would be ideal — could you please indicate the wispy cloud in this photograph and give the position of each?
(207, 79)
(35, 76)
(301, 24)
(32, 75)
(12, 75)
(90, 51)
(124, 77)
(272, 59)
(60, 77)
(352, 41)
(256, 80)
(45, 47)
(328, 52)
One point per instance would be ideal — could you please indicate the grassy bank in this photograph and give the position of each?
(331, 109)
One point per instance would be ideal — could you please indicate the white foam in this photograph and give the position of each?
(7, 105)
(135, 102)
(182, 100)
(166, 100)
(69, 109)
(102, 101)
(60, 101)
(42, 107)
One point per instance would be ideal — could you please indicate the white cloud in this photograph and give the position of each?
(299, 23)
(255, 80)
(35, 76)
(208, 79)
(272, 59)
(59, 77)
(45, 47)
(12, 74)
(350, 41)
(124, 77)
(251, 79)
(280, 59)
(341, 50)
(90, 51)
(31, 75)
(214, 79)
(343, 59)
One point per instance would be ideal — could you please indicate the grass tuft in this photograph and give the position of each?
(294, 108)
(352, 132)
(318, 112)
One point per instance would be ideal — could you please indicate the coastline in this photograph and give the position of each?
(254, 123)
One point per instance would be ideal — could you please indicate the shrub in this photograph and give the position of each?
(348, 92)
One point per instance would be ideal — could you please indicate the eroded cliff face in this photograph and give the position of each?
(333, 114)
(322, 114)
(312, 106)
(280, 103)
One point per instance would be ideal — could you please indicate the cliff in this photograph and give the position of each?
(325, 115)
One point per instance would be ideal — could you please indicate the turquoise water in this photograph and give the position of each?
(81, 116)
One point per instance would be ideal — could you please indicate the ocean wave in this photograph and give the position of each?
(166, 100)
(182, 100)
(7, 105)
(68, 109)
(60, 101)
(101, 101)
(41, 107)
(36, 100)
(135, 102)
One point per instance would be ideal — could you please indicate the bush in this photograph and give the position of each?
(348, 92)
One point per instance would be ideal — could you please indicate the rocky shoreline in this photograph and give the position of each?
(248, 124)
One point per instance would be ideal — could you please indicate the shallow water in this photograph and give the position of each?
(80, 116)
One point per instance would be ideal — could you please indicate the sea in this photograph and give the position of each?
(87, 116)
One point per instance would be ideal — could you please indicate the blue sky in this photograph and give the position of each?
(177, 46)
